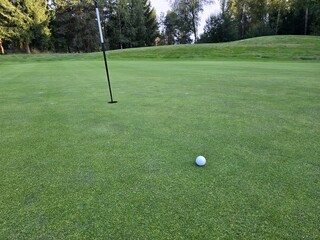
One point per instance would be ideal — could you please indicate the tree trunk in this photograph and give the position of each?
(306, 21)
(195, 31)
(278, 17)
(194, 26)
(1, 47)
(27, 47)
(120, 32)
(243, 21)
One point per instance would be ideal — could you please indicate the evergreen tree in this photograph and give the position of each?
(130, 23)
(137, 23)
(112, 22)
(75, 27)
(152, 27)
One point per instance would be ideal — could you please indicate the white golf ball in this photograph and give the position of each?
(200, 161)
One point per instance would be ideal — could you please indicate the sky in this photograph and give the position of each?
(163, 6)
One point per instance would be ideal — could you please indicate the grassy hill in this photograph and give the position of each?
(275, 47)
(270, 47)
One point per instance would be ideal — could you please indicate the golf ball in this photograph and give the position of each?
(200, 161)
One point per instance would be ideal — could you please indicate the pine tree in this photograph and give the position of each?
(74, 26)
(130, 23)
(152, 27)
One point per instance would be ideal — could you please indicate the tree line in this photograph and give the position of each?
(241, 19)
(71, 25)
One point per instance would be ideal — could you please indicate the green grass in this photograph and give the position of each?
(274, 47)
(75, 167)
(271, 48)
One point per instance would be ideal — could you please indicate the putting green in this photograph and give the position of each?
(74, 166)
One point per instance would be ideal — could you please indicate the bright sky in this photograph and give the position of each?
(163, 6)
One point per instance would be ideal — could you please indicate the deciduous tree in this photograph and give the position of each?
(24, 21)
(188, 11)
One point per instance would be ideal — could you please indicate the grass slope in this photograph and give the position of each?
(262, 48)
(274, 47)
(75, 167)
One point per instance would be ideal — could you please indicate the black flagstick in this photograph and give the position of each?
(103, 50)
